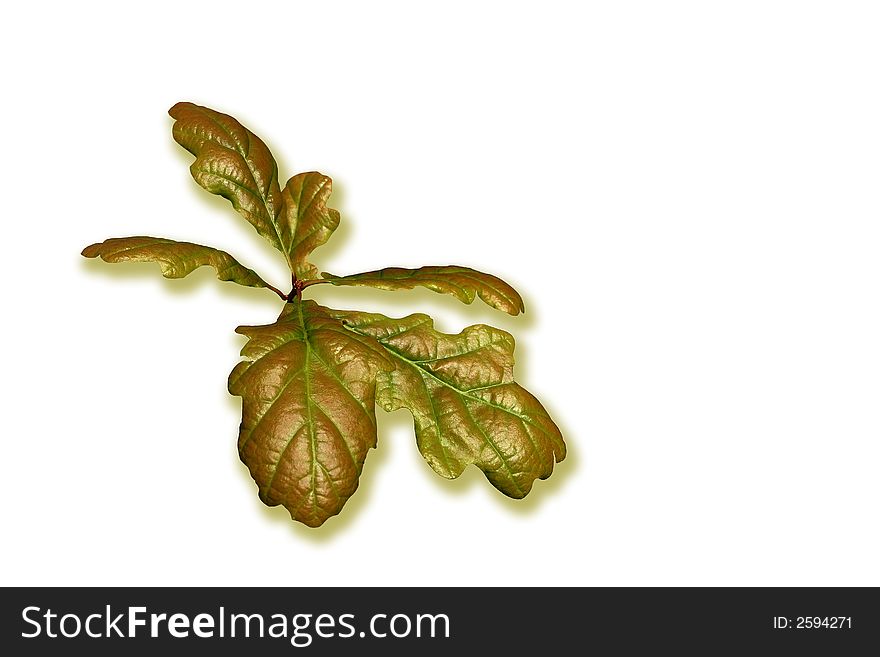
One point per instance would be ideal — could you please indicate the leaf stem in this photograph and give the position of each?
(276, 291)
(298, 286)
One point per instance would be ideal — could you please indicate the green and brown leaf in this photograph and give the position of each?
(464, 401)
(462, 282)
(176, 259)
(307, 221)
(233, 162)
(308, 409)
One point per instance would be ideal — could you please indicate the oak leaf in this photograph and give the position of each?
(464, 401)
(463, 283)
(176, 259)
(308, 409)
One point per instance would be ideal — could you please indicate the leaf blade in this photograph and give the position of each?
(233, 162)
(176, 259)
(308, 409)
(463, 283)
(306, 221)
(465, 404)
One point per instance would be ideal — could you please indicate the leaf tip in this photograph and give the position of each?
(514, 308)
(175, 109)
(516, 304)
(308, 521)
(92, 250)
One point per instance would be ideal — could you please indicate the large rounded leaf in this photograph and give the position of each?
(308, 409)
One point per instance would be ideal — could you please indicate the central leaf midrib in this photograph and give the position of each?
(308, 384)
(463, 393)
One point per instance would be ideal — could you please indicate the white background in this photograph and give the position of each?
(686, 194)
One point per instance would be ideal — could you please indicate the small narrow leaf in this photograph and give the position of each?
(176, 259)
(306, 221)
(308, 409)
(465, 404)
(233, 162)
(462, 282)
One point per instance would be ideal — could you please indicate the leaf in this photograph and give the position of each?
(177, 259)
(307, 221)
(465, 404)
(233, 162)
(462, 282)
(308, 409)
